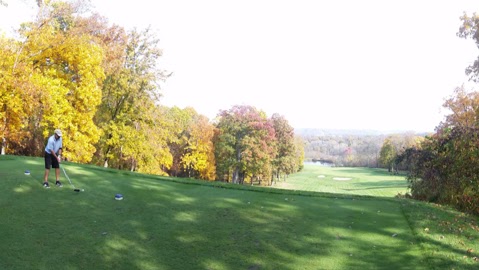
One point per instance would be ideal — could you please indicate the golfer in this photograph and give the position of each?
(53, 152)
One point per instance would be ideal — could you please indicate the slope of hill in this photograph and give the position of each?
(171, 223)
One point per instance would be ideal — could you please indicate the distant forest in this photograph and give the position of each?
(352, 148)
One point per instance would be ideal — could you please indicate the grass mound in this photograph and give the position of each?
(171, 223)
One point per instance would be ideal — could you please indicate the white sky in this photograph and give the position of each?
(382, 65)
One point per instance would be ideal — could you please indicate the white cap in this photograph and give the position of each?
(58, 132)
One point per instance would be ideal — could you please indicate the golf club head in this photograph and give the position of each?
(76, 190)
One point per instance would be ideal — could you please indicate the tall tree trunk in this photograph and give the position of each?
(241, 177)
(105, 163)
(235, 176)
(132, 169)
(4, 140)
(4, 145)
(236, 172)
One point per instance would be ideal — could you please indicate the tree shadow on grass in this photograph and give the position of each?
(168, 225)
(239, 230)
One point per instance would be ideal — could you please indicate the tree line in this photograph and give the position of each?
(99, 83)
(444, 167)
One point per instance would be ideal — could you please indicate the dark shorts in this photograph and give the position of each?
(51, 161)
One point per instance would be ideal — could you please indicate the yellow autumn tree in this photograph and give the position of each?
(151, 150)
(198, 154)
(17, 96)
(66, 75)
(190, 142)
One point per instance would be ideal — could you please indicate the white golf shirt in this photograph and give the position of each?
(53, 144)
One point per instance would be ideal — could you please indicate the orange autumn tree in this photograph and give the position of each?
(245, 145)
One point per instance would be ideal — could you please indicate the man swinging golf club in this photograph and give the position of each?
(53, 152)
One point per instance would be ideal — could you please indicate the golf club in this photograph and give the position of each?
(66, 175)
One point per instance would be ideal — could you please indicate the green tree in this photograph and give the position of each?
(394, 146)
(469, 30)
(177, 121)
(285, 161)
(130, 92)
(299, 152)
(387, 154)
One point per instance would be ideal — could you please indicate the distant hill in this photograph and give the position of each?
(326, 132)
(349, 132)
(346, 147)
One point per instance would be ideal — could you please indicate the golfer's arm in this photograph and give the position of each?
(53, 154)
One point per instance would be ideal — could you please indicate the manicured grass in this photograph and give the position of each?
(358, 181)
(168, 223)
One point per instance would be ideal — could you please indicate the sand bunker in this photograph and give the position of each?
(321, 176)
(342, 178)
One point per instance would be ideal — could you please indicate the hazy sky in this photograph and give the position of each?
(383, 65)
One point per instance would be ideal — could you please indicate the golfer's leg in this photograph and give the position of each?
(48, 164)
(47, 172)
(57, 173)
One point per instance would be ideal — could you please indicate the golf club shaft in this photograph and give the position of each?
(65, 173)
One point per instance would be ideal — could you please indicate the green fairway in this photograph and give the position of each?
(166, 223)
(359, 181)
